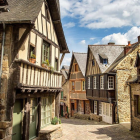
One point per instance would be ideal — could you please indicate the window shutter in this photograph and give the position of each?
(98, 82)
(86, 84)
(105, 81)
(91, 82)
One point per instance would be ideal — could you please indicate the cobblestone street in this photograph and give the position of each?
(75, 129)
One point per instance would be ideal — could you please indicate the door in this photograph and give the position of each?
(61, 110)
(33, 117)
(72, 109)
(17, 120)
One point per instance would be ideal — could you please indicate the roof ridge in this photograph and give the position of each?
(79, 52)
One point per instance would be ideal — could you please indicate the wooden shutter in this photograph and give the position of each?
(98, 81)
(91, 82)
(106, 81)
(86, 82)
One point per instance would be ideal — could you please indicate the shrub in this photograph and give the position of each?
(55, 121)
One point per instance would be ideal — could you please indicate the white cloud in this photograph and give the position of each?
(69, 25)
(92, 38)
(102, 13)
(83, 42)
(123, 38)
(66, 61)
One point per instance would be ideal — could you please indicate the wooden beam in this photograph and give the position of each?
(62, 57)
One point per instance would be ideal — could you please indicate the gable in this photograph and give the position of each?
(90, 69)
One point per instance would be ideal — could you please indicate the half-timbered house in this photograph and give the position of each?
(64, 102)
(100, 80)
(31, 40)
(78, 101)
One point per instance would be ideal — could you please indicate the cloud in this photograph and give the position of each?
(66, 61)
(122, 38)
(92, 38)
(69, 25)
(95, 14)
(83, 42)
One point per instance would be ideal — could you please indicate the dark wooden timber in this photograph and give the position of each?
(62, 57)
(39, 116)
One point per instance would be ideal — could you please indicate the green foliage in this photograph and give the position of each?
(55, 121)
(46, 62)
(33, 56)
(52, 69)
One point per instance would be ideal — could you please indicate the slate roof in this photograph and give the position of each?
(111, 51)
(81, 59)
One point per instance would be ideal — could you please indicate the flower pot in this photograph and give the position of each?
(44, 65)
(32, 60)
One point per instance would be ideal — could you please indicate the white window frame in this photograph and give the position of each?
(95, 107)
(109, 82)
(94, 82)
(88, 82)
(102, 82)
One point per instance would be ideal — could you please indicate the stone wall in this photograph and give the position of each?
(88, 117)
(125, 70)
(135, 90)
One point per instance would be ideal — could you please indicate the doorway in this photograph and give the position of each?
(72, 109)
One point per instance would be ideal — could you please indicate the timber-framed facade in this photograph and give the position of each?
(30, 91)
(77, 93)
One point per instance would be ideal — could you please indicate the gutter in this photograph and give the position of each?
(2, 52)
(117, 98)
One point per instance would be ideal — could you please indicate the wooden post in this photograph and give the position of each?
(62, 57)
(57, 104)
(26, 120)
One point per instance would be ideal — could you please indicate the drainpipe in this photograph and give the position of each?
(117, 98)
(130, 107)
(2, 52)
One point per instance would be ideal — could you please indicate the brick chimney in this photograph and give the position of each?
(111, 43)
(139, 38)
(127, 48)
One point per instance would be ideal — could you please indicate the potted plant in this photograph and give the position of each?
(33, 58)
(55, 121)
(46, 64)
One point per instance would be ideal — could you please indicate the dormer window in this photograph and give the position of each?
(104, 61)
(93, 63)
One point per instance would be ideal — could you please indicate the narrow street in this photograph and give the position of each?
(76, 129)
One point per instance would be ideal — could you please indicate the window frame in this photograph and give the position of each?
(31, 46)
(73, 86)
(94, 82)
(56, 67)
(88, 82)
(93, 61)
(76, 68)
(109, 82)
(49, 48)
(102, 82)
(105, 61)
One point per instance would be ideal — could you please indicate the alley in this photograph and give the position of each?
(75, 129)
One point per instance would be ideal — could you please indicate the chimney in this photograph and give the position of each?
(127, 48)
(139, 38)
(111, 43)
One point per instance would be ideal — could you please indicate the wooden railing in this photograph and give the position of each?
(32, 75)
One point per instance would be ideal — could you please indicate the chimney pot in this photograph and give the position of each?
(129, 43)
(139, 38)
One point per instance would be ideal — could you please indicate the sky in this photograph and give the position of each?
(90, 22)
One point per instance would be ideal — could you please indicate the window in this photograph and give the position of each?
(101, 82)
(95, 107)
(94, 82)
(73, 86)
(104, 61)
(56, 64)
(45, 51)
(32, 51)
(61, 94)
(100, 108)
(46, 111)
(137, 105)
(110, 82)
(83, 85)
(88, 82)
(93, 63)
(76, 67)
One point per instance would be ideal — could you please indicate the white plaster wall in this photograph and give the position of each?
(44, 26)
(32, 38)
(43, 9)
(40, 22)
(53, 56)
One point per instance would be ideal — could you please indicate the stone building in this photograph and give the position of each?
(64, 101)
(134, 86)
(31, 40)
(77, 93)
(125, 70)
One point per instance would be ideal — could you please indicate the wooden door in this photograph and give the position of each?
(17, 120)
(33, 117)
(72, 109)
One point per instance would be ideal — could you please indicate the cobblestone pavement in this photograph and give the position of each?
(76, 129)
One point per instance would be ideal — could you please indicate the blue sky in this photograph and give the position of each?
(87, 22)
